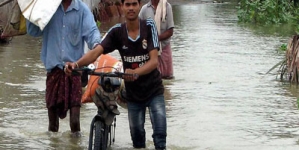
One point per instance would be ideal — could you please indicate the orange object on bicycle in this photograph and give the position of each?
(104, 63)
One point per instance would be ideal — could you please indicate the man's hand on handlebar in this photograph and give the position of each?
(129, 75)
(132, 75)
(68, 67)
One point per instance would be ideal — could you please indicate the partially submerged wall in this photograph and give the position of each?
(106, 10)
(12, 22)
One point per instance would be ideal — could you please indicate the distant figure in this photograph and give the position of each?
(161, 12)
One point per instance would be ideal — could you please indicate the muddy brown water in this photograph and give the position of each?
(220, 98)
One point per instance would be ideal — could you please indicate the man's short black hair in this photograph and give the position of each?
(122, 1)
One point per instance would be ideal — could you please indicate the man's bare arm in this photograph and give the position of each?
(166, 34)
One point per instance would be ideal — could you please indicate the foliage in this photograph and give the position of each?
(283, 47)
(98, 23)
(297, 29)
(267, 11)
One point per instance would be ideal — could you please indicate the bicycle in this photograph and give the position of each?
(103, 124)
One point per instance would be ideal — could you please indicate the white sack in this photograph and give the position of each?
(39, 12)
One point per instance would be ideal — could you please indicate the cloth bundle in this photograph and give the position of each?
(160, 16)
(39, 12)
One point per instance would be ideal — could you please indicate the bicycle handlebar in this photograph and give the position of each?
(91, 71)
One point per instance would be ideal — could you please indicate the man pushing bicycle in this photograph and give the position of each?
(137, 42)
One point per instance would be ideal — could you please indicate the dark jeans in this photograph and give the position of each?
(136, 114)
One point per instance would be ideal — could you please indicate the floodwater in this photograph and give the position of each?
(220, 99)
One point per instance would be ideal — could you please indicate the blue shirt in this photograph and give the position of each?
(65, 34)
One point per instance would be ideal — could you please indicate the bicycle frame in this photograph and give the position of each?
(104, 122)
(101, 127)
(109, 130)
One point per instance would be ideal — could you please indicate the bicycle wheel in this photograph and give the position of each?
(106, 137)
(101, 136)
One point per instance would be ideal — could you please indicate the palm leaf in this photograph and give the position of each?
(275, 66)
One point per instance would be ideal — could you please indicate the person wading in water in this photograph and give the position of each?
(64, 36)
(137, 42)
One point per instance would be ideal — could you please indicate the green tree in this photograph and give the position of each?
(268, 11)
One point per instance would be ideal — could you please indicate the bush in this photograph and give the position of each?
(267, 11)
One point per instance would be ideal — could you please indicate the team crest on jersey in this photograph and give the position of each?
(144, 44)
